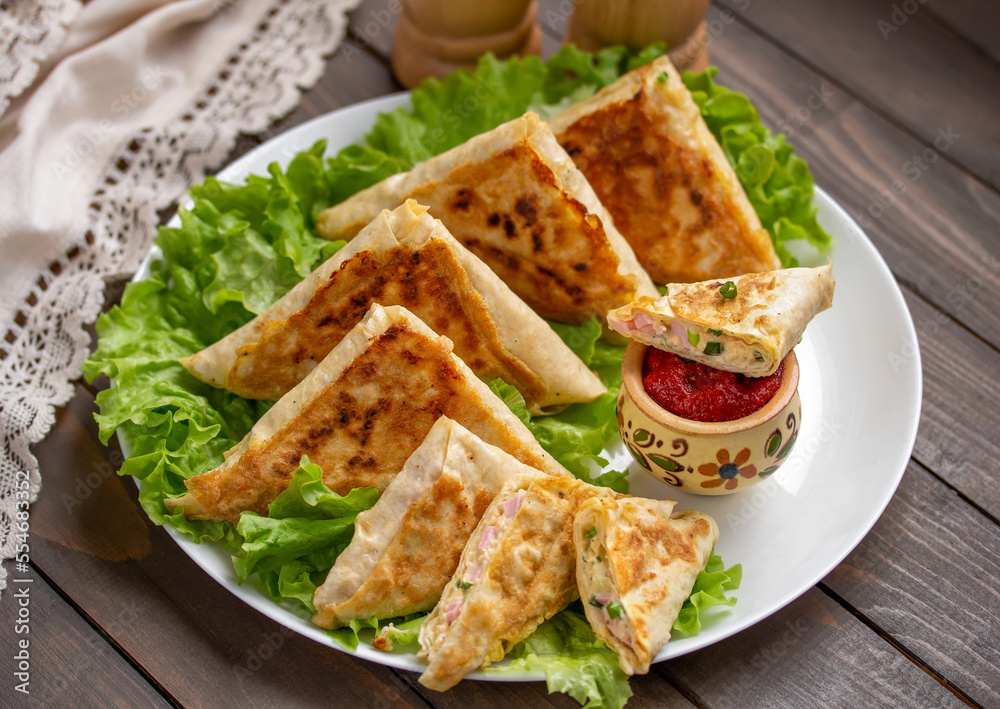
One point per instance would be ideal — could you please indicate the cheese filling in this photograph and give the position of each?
(603, 597)
(686, 340)
(488, 544)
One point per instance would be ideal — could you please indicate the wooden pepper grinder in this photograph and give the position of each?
(436, 37)
(637, 23)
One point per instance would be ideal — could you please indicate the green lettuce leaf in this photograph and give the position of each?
(777, 182)
(574, 662)
(238, 249)
(447, 112)
(576, 436)
(307, 523)
(398, 631)
(709, 591)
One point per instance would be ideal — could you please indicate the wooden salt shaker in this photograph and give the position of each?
(436, 37)
(638, 23)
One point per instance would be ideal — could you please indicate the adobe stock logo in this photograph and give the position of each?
(900, 15)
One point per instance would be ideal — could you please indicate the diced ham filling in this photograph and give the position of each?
(512, 505)
(474, 573)
(488, 543)
(678, 336)
(600, 582)
(646, 325)
(622, 326)
(489, 535)
(620, 630)
(453, 609)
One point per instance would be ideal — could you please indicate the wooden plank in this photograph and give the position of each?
(927, 574)
(934, 228)
(372, 25)
(937, 79)
(811, 653)
(650, 690)
(202, 645)
(959, 420)
(975, 21)
(68, 663)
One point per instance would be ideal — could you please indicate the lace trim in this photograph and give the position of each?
(30, 32)
(44, 348)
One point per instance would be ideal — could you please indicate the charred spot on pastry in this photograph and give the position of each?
(580, 267)
(696, 198)
(461, 203)
(508, 228)
(409, 357)
(494, 219)
(320, 432)
(359, 461)
(527, 207)
(536, 240)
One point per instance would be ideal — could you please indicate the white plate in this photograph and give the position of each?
(860, 386)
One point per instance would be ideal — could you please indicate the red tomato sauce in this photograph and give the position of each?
(697, 392)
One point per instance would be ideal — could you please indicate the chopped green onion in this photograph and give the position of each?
(758, 356)
(599, 560)
(693, 338)
(728, 290)
(662, 77)
(614, 609)
(713, 348)
(595, 603)
(591, 533)
(717, 333)
(464, 585)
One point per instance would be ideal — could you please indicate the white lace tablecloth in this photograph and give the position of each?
(108, 113)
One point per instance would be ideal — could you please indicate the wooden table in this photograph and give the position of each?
(897, 112)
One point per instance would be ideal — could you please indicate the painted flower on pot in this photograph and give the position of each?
(729, 469)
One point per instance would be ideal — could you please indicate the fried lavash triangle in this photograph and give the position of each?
(517, 570)
(749, 332)
(406, 548)
(514, 198)
(636, 564)
(644, 147)
(404, 257)
(359, 415)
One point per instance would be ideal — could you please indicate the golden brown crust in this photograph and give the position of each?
(677, 203)
(703, 301)
(361, 427)
(515, 198)
(418, 563)
(755, 328)
(428, 281)
(542, 242)
(407, 546)
(530, 576)
(652, 556)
